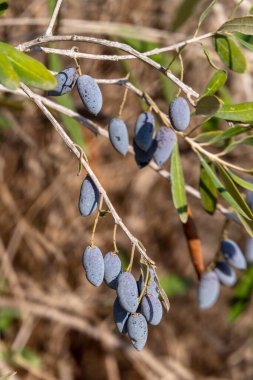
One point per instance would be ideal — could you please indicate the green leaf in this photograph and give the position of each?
(240, 181)
(221, 189)
(183, 13)
(174, 285)
(178, 185)
(242, 294)
(245, 140)
(8, 76)
(208, 191)
(234, 192)
(51, 6)
(29, 70)
(228, 133)
(205, 14)
(243, 25)
(236, 112)
(207, 105)
(247, 224)
(208, 136)
(246, 44)
(217, 81)
(230, 53)
(3, 7)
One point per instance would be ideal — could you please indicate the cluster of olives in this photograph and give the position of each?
(147, 144)
(137, 303)
(222, 272)
(87, 87)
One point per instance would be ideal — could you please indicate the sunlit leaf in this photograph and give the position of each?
(236, 112)
(240, 181)
(178, 185)
(217, 81)
(29, 70)
(230, 53)
(8, 76)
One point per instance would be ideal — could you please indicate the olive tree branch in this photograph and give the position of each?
(112, 44)
(117, 57)
(52, 21)
(98, 130)
(37, 100)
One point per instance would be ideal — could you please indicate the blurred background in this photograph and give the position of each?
(53, 323)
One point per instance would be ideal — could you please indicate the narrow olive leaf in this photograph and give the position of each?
(184, 11)
(228, 133)
(230, 53)
(242, 112)
(234, 192)
(8, 76)
(240, 39)
(216, 82)
(205, 14)
(247, 224)
(207, 137)
(29, 70)
(208, 191)
(243, 25)
(240, 181)
(178, 185)
(245, 140)
(221, 189)
(208, 105)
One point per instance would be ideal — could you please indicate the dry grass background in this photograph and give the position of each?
(65, 321)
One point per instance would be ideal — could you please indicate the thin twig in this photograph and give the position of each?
(112, 44)
(52, 21)
(117, 57)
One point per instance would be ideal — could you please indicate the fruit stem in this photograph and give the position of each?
(114, 238)
(129, 268)
(96, 221)
(123, 101)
